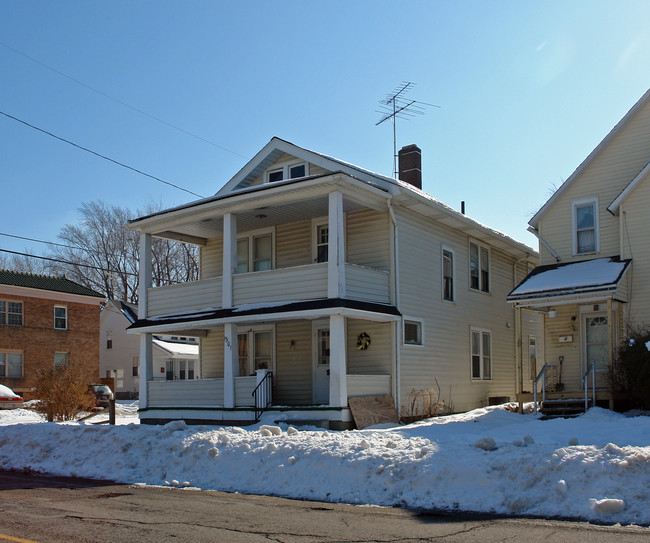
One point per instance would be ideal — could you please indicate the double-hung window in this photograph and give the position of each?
(60, 317)
(11, 364)
(585, 226)
(447, 274)
(479, 267)
(11, 313)
(321, 233)
(481, 347)
(255, 252)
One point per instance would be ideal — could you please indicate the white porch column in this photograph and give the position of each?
(338, 371)
(335, 247)
(146, 356)
(229, 258)
(230, 363)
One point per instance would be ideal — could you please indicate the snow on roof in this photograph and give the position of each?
(178, 349)
(599, 274)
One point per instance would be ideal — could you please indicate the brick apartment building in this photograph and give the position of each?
(45, 321)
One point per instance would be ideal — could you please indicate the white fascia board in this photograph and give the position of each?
(613, 207)
(590, 158)
(584, 298)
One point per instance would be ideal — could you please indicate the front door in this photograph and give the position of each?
(322, 366)
(596, 346)
(255, 350)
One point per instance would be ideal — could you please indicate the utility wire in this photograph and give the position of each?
(100, 155)
(120, 101)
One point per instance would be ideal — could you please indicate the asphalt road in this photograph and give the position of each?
(55, 509)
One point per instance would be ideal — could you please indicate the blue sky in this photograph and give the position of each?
(526, 90)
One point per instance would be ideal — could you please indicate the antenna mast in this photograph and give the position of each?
(394, 106)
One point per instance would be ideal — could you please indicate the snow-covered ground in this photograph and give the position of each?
(595, 467)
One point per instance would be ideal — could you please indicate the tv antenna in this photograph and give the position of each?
(395, 106)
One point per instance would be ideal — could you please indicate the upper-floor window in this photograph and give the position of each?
(255, 252)
(11, 364)
(288, 171)
(481, 345)
(585, 226)
(447, 274)
(11, 313)
(321, 243)
(60, 317)
(479, 267)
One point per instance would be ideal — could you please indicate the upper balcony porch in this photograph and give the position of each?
(301, 241)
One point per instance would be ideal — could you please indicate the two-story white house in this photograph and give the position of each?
(319, 281)
(593, 282)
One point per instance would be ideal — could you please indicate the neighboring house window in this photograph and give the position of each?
(11, 313)
(190, 369)
(60, 359)
(412, 332)
(585, 226)
(109, 340)
(289, 171)
(447, 275)
(481, 345)
(11, 364)
(255, 253)
(322, 240)
(136, 366)
(182, 369)
(479, 268)
(60, 317)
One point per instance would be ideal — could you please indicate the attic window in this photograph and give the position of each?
(288, 171)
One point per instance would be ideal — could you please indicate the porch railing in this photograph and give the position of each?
(263, 394)
(542, 376)
(591, 368)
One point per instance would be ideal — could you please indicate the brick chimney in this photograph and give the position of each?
(410, 165)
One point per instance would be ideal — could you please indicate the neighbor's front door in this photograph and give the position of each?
(596, 347)
(322, 366)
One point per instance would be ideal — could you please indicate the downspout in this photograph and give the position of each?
(398, 335)
(535, 233)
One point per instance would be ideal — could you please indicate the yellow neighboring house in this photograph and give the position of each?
(594, 276)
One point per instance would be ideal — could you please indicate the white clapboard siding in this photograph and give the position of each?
(445, 355)
(184, 298)
(607, 175)
(368, 385)
(292, 378)
(244, 387)
(378, 357)
(368, 238)
(212, 353)
(212, 258)
(370, 285)
(300, 283)
(191, 393)
(293, 244)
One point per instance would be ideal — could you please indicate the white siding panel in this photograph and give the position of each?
(368, 385)
(368, 238)
(184, 298)
(292, 379)
(301, 283)
(192, 393)
(378, 357)
(212, 258)
(244, 387)
(212, 354)
(367, 284)
(293, 244)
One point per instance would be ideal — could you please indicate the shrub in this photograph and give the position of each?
(630, 373)
(63, 392)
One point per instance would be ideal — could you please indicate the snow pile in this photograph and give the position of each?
(487, 460)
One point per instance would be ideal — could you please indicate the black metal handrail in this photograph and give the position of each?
(262, 395)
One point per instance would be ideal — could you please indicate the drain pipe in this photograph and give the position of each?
(535, 233)
(398, 335)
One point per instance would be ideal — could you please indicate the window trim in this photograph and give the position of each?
(482, 377)
(447, 249)
(285, 168)
(479, 247)
(65, 308)
(574, 225)
(250, 332)
(315, 224)
(420, 325)
(251, 257)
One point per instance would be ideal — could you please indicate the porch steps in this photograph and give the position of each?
(563, 408)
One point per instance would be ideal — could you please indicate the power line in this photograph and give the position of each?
(120, 101)
(100, 155)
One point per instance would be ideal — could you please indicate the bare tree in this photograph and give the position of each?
(102, 254)
(22, 263)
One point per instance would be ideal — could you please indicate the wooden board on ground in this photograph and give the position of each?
(369, 410)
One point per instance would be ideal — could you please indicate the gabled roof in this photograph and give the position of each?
(592, 156)
(599, 275)
(45, 282)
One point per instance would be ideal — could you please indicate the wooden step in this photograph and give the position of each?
(563, 408)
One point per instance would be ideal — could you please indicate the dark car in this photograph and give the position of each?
(102, 393)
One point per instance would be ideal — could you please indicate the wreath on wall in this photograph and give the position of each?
(363, 341)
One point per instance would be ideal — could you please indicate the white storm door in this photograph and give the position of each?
(322, 366)
(595, 348)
